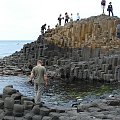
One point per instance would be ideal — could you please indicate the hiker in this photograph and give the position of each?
(103, 3)
(59, 19)
(66, 17)
(118, 31)
(39, 77)
(71, 17)
(42, 29)
(78, 17)
(110, 8)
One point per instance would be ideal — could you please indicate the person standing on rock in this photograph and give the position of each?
(78, 17)
(43, 28)
(103, 3)
(40, 79)
(66, 17)
(71, 18)
(110, 8)
(60, 19)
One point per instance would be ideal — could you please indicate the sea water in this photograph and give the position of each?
(8, 47)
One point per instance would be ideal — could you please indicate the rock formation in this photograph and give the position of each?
(15, 106)
(85, 49)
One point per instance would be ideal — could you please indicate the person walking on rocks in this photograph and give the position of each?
(42, 29)
(110, 8)
(40, 79)
(103, 3)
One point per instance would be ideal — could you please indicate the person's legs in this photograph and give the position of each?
(109, 12)
(112, 12)
(59, 22)
(35, 92)
(38, 93)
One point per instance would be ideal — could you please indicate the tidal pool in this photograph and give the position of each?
(58, 92)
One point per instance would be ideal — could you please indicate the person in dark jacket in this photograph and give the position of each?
(42, 29)
(60, 19)
(66, 17)
(110, 9)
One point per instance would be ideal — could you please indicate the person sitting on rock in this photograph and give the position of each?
(42, 29)
(110, 9)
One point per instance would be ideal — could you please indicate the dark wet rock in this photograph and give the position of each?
(44, 111)
(46, 118)
(18, 110)
(9, 103)
(54, 114)
(9, 91)
(16, 96)
(8, 118)
(55, 118)
(28, 105)
(24, 98)
(37, 117)
(36, 110)
(89, 109)
(1, 104)
(28, 116)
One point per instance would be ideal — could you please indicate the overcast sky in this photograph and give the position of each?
(22, 19)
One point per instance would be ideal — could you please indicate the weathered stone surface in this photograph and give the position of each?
(37, 117)
(36, 110)
(18, 110)
(9, 103)
(9, 91)
(26, 99)
(44, 111)
(28, 105)
(1, 104)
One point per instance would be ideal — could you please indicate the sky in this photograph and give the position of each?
(22, 19)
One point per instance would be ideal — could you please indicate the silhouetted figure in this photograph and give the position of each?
(60, 19)
(66, 17)
(103, 3)
(42, 29)
(110, 9)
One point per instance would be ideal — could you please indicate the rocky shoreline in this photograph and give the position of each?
(84, 50)
(15, 106)
(88, 49)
